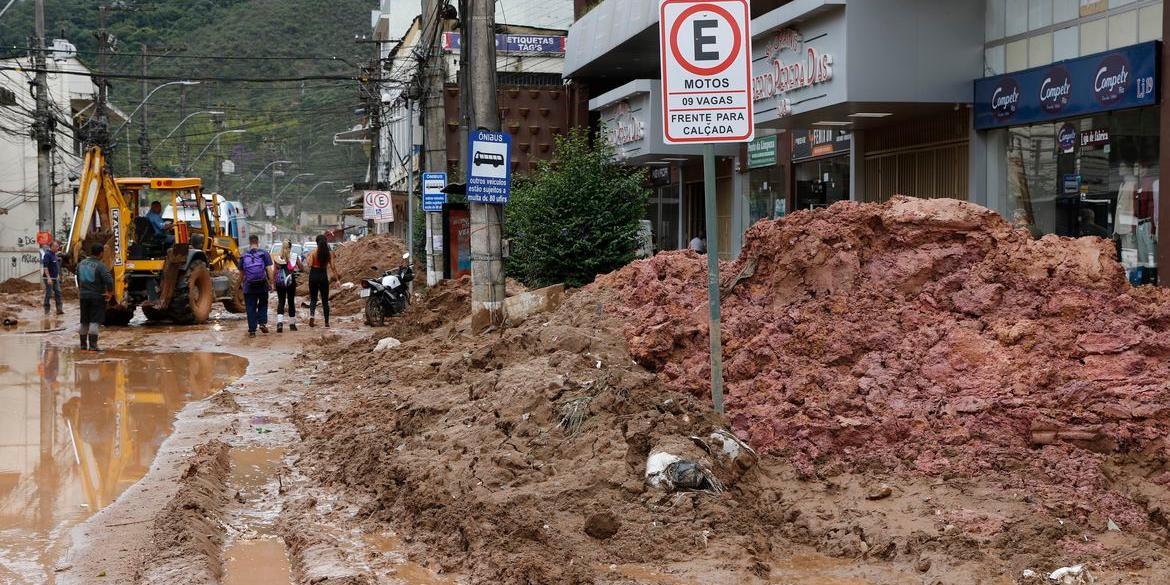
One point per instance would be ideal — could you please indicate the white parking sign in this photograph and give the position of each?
(706, 71)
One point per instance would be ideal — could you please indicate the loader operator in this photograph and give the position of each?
(162, 227)
(95, 285)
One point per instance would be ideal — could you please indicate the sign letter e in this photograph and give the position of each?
(702, 40)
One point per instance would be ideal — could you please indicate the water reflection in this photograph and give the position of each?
(76, 430)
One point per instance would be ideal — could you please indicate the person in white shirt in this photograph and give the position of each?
(699, 243)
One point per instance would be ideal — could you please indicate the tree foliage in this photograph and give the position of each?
(577, 216)
(284, 120)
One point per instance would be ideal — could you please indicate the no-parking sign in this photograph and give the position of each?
(378, 207)
(706, 71)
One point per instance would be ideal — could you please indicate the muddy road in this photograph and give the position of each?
(977, 422)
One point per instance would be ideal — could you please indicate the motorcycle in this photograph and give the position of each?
(388, 296)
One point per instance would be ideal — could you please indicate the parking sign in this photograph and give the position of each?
(706, 71)
(489, 166)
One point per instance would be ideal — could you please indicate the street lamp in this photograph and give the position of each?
(145, 99)
(282, 162)
(214, 139)
(180, 125)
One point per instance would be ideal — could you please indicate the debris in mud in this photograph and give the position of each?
(387, 343)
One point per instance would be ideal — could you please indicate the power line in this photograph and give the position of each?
(191, 77)
(201, 57)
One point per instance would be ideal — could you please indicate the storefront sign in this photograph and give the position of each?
(1091, 7)
(762, 152)
(1091, 138)
(817, 143)
(625, 127)
(659, 176)
(1125, 78)
(789, 65)
(513, 43)
(706, 71)
(1070, 184)
(1067, 138)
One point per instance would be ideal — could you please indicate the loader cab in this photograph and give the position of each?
(233, 220)
(191, 227)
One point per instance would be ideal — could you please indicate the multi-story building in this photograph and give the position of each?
(1067, 121)
(852, 100)
(71, 100)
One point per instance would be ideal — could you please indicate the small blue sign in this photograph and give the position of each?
(432, 191)
(1114, 80)
(489, 167)
(1070, 184)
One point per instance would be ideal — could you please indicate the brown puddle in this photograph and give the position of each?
(254, 561)
(76, 430)
(405, 572)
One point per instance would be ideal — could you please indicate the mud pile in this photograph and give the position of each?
(467, 447)
(368, 257)
(925, 337)
(19, 286)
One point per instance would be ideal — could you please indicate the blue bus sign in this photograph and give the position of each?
(489, 166)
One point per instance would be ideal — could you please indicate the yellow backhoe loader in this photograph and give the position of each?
(177, 281)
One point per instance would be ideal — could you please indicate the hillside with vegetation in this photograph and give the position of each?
(224, 42)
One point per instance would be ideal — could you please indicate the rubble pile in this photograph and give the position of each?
(924, 337)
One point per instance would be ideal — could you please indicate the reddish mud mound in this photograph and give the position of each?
(930, 337)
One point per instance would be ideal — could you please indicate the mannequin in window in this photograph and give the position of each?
(1126, 220)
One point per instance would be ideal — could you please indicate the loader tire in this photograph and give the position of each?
(236, 303)
(192, 303)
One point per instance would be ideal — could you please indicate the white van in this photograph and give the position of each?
(231, 214)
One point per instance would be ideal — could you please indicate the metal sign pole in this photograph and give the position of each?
(715, 328)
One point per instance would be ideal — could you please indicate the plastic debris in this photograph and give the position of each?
(387, 343)
(673, 473)
(1112, 526)
(1074, 575)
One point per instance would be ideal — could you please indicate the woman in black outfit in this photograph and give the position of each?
(320, 262)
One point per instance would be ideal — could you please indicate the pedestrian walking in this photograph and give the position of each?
(256, 265)
(51, 276)
(95, 287)
(287, 267)
(321, 268)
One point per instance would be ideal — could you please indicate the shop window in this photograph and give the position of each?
(821, 183)
(768, 198)
(1095, 176)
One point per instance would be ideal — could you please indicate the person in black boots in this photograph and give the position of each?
(95, 286)
(321, 270)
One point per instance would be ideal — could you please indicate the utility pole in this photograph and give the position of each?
(487, 259)
(43, 130)
(219, 125)
(434, 126)
(183, 137)
(143, 136)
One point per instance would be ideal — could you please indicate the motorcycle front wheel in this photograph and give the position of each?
(375, 316)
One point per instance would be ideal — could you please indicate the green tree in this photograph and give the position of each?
(576, 216)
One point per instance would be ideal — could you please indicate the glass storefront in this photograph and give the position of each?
(821, 182)
(768, 198)
(1091, 176)
(662, 209)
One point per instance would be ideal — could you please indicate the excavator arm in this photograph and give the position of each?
(103, 216)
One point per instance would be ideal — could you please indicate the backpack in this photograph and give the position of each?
(254, 270)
